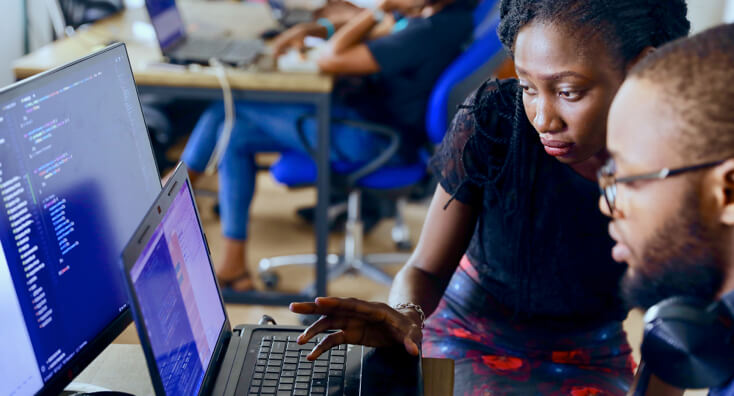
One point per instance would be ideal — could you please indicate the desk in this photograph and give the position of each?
(133, 27)
(121, 367)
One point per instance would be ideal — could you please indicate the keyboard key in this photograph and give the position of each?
(303, 378)
(289, 367)
(256, 382)
(266, 390)
(303, 385)
(287, 380)
(254, 389)
(305, 365)
(262, 362)
(318, 382)
(271, 369)
(265, 350)
(268, 337)
(276, 355)
(280, 338)
(337, 359)
(265, 343)
(275, 362)
(272, 376)
(321, 363)
(291, 354)
(270, 383)
(338, 352)
(301, 372)
(278, 347)
(335, 373)
(320, 369)
(318, 390)
(288, 374)
(257, 375)
(283, 386)
(336, 366)
(283, 393)
(319, 376)
(290, 360)
(259, 369)
(300, 392)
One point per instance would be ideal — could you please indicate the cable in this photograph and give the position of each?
(229, 116)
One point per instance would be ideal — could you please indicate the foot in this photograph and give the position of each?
(239, 283)
(232, 271)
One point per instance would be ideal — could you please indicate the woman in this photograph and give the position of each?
(392, 65)
(532, 307)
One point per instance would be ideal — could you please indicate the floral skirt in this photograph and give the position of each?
(495, 356)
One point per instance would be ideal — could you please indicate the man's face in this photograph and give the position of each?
(659, 225)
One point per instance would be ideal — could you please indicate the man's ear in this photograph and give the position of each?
(724, 185)
(645, 52)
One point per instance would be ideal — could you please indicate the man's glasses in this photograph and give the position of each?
(608, 180)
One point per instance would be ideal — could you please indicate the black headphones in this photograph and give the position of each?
(689, 343)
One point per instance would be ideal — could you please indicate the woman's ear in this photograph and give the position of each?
(725, 175)
(645, 52)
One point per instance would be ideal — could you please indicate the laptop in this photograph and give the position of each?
(189, 346)
(182, 48)
(288, 16)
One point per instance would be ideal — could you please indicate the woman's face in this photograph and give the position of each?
(568, 85)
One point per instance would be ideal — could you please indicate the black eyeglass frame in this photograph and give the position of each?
(608, 181)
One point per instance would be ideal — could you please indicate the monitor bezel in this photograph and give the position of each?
(96, 345)
(129, 257)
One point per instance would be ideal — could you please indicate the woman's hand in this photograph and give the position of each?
(360, 322)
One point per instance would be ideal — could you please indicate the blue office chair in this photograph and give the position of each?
(295, 169)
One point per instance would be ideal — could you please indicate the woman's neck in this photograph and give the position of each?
(589, 168)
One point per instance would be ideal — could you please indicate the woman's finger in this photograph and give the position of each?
(327, 343)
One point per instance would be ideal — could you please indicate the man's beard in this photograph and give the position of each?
(679, 260)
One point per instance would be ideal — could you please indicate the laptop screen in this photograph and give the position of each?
(178, 297)
(167, 22)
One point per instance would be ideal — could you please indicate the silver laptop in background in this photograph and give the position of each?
(183, 48)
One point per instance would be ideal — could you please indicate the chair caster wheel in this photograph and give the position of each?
(270, 280)
(404, 246)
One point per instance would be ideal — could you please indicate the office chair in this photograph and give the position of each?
(294, 169)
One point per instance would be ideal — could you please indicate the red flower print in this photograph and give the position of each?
(463, 333)
(503, 363)
(576, 356)
(585, 391)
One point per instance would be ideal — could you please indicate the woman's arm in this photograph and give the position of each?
(446, 235)
(444, 239)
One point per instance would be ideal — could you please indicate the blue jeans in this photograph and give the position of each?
(265, 127)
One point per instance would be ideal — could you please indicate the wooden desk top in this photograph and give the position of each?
(133, 27)
(121, 367)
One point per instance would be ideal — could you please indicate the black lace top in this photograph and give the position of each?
(540, 245)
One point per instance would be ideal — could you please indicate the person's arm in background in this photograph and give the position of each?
(444, 239)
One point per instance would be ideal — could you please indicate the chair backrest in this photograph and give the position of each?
(467, 72)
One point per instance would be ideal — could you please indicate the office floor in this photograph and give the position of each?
(275, 230)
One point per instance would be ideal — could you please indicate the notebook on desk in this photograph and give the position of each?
(189, 346)
(181, 47)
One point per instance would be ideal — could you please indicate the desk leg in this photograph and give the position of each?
(323, 185)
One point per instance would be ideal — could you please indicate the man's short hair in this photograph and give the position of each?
(695, 77)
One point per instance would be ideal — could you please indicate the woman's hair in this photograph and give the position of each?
(625, 26)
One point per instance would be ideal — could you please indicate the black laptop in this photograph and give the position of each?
(180, 47)
(189, 346)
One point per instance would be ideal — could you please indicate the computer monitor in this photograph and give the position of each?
(77, 174)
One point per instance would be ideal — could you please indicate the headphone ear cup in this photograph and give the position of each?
(686, 345)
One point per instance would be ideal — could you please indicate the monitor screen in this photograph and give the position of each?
(178, 297)
(167, 22)
(77, 174)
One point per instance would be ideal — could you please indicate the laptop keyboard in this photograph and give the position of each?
(282, 369)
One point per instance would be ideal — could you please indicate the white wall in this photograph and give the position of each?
(11, 44)
(707, 13)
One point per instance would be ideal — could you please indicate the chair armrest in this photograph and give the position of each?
(369, 127)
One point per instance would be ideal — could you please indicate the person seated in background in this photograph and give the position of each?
(675, 229)
(512, 267)
(398, 63)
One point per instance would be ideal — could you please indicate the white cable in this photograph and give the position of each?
(229, 117)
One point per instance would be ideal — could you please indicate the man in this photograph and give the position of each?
(675, 229)
(395, 62)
